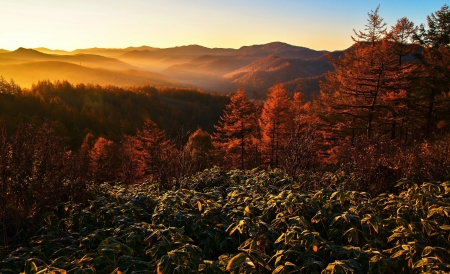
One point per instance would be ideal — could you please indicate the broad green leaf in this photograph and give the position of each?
(259, 259)
(236, 261)
(108, 254)
(278, 270)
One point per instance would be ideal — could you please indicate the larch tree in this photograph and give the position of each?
(401, 37)
(199, 147)
(155, 150)
(131, 166)
(102, 160)
(351, 97)
(433, 73)
(276, 123)
(234, 138)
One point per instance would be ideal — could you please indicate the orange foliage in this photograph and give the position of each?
(277, 123)
(236, 134)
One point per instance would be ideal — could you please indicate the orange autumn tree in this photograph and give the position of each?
(155, 151)
(199, 147)
(236, 133)
(432, 92)
(131, 162)
(300, 150)
(360, 98)
(276, 123)
(102, 160)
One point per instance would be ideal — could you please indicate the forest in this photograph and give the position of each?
(146, 179)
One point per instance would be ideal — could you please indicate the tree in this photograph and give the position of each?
(155, 150)
(101, 160)
(199, 147)
(276, 122)
(235, 134)
(364, 87)
(131, 167)
(375, 29)
(433, 73)
(402, 37)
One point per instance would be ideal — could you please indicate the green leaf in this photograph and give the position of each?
(126, 249)
(259, 259)
(236, 261)
(399, 253)
(108, 254)
(30, 267)
(278, 269)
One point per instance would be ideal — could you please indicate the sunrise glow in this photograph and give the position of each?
(68, 25)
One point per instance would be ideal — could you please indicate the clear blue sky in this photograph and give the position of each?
(317, 24)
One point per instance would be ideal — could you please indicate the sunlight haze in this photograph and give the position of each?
(68, 25)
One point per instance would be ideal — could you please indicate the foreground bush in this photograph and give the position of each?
(243, 222)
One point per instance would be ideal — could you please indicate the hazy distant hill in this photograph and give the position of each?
(159, 60)
(25, 74)
(52, 51)
(96, 61)
(267, 71)
(280, 49)
(256, 67)
(211, 65)
(112, 52)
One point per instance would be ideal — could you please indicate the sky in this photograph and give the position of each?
(316, 24)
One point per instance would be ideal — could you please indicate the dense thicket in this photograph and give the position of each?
(243, 222)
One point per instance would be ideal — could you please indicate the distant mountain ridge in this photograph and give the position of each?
(30, 73)
(254, 67)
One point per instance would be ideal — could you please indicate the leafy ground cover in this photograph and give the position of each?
(243, 222)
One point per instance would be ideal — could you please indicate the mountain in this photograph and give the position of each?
(255, 67)
(108, 52)
(22, 55)
(210, 65)
(3, 50)
(25, 74)
(159, 60)
(280, 49)
(52, 51)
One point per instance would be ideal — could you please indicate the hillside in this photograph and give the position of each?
(112, 52)
(97, 61)
(265, 72)
(28, 73)
(52, 51)
(211, 65)
(255, 67)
